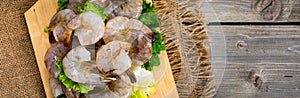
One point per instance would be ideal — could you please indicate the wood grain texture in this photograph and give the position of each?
(165, 88)
(38, 17)
(259, 63)
(251, 11)
(260, 44)
(275, 81)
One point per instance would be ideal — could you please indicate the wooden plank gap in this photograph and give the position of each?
(254, 23)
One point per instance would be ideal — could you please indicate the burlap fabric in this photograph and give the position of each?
(19, 74)
(185, 33)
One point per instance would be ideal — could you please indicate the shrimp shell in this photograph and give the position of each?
(129, 8)
(89, 28)
(123, 86)
(56, 52)
(56, 87)
(113, 57)
(59, 23)
(133, 31)
(101, 91)
(77, 70)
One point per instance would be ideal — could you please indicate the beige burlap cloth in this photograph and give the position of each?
(19, 74)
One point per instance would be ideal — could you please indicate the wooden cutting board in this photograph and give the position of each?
(38, 17)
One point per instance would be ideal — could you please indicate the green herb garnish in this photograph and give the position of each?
(151, 20)
(88, 6)
(154, 61)
(47, 30)
(68, 82)
(62, 4)
(158, 44)
(150, 17)
(148, 7)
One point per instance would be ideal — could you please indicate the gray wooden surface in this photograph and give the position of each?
(251, 10)
(262, 60)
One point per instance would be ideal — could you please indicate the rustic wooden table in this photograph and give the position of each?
(262, 38)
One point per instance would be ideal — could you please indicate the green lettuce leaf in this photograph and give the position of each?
(88, 6)
(68, 82)
(62, 4)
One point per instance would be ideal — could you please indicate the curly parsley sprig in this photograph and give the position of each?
(150, 18)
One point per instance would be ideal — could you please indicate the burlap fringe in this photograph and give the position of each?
(184, 30)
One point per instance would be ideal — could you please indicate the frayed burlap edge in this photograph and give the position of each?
(185, 33)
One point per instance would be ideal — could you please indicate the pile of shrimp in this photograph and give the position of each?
(98, 53)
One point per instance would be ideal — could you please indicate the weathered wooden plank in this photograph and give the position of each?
(251, 10)
(260, 80)
(259, 44)
(259, 63)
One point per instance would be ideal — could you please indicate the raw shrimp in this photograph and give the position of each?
(114, 57)
(56, 87)
(58, 25)
(131, 75)
(101, 91)
(73, 4)
(141, 50)
(89, 28)
(120, 26)
(77, 69)
(122, 87)
(101, 3)
(56, 52)
(129, 8)
(59, 89)
(71, 93)
(132, 31)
